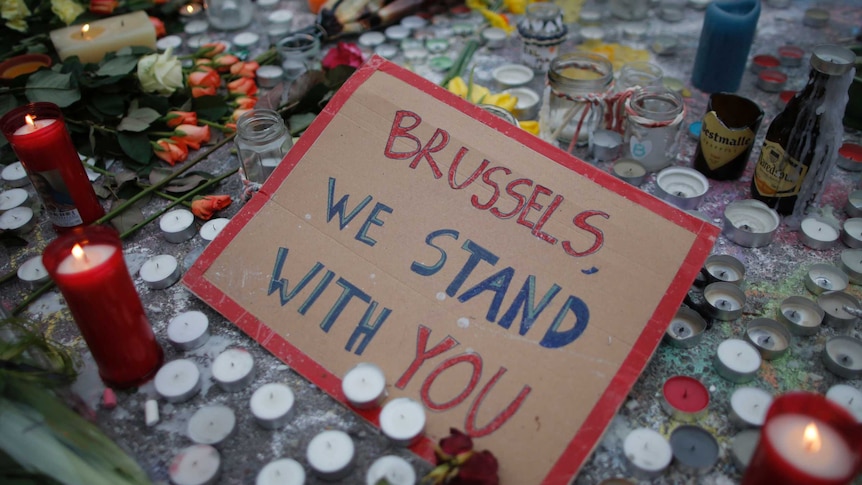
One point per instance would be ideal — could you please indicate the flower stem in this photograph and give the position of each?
(218, 126)
(168, 196)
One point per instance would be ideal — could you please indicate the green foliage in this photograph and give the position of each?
(53, 87)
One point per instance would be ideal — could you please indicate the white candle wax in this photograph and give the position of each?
(330, 454)
(188, 330)
(271, 405)
(682, 182)
(627, 169)
(19, 219)
(91, 255)
(281, 472)
(211, 425)
(723, 272)
(748, 406)
(723, 301)
(371, 39)
(853, 231)
(195, 27)
(246, 40)
(28, 128)
(394, 469)
(178, 380)
(648, 452)
(364, 386)
(402, 420)
(177, 225)
(195, 465)
(160, 271)
(33, 272)
(151, 412)
(173, 42)
(832, 460)
(105, 35)
(818, 233)
(12, 198)
(233, 369)
(213, 227)
(847, 397)
(738, 359)
(14, 174)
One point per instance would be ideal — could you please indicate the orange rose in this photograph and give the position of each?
(204, 81)
(170, 151)
(244, 69)
(223, 62)
(204, 207)
(176, 118)
(210, 50)
(245, 102)
(242, 85)
(236, 114)
(193, 136)
(159, 26)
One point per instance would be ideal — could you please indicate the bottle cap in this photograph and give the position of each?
(832, 60)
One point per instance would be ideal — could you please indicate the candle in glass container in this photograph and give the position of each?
(38, 136)
(87, 265)
(90, 42)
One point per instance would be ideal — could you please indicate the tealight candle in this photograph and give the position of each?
(190, 11)
(771, 80)
(825, 277)
(160, 272)
(284, 471)
(12, 198)
(605, 145)
(748, 406)
(19, 220)
(851, 265)
(737, 360)
(402, 420)
(750, 223)
(178, 380)
(851, 233)
(173, 42)
(853, 208)
(364, 386)
(527, 106)
(189, 330)
(195, 465)
(413, 22)
(196, 27)
(14, 175)
(762, 62)
(213, 227)
(724, 267)
(246, 40)
(271, 405)
(331, 454)
(694, 448)
(371, 39)
(396, 33)
(386, 51)
(816, 17)
(818, 233)
(630, 170)
(512, 75)
(842, 309)
(33, 273)
(211, 425)
(648, 452)
(850, 157)
(233, 369)
(685, 329)
(769, 337)
(494, 37)
(843, 356)
(178, 225)
(848, 397)
(791, 55)
(392, 470)
(725, 301)
(269, 76)
(742, 448)
(801, 315)
(681, 186)
(684, 398)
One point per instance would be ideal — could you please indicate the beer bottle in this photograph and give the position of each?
(727, 136)
(802, 141)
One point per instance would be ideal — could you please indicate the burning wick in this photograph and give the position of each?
(79, 254)
(84, 29)
(190, 9)
(29, 120)
(811, 438)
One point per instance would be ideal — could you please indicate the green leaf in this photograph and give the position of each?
(53, 87)
(299, 122)
(7, 103)
(130, 218)
(136, 146)
(210, 108)
(158, 103)
(180, 185)
(118, 66)
(110, 104)
(138, 119)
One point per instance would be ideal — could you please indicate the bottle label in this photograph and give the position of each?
(721, 145)
(778, 175)
(56, 198)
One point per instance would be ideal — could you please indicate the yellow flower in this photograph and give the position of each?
(530, 126)
(66, 10)
(503, 100)
(15, 13)
(517, 7)
(497, 20)
(160, 73)
(479, 94)
(457, 86)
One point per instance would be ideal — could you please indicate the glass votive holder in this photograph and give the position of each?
(298, 53)
(229, 14)
(638, 74)
(278, 23)
(262, 140)
(653, 117)
(579, 83)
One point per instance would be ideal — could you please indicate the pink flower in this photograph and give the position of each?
(193, 136)
(243, 85)
(343, 54)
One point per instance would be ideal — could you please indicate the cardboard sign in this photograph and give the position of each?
(514, 290)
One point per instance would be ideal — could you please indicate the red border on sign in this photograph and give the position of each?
(582, 444)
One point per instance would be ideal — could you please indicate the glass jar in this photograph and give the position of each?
(229, 14)
(298, 53)
(542, 30)
(579, 84)
(638, 74)
(629, 9)
(653, 117)
(262, 140)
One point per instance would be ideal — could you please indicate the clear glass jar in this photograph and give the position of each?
(262, 140)
(229, 14)
(653, 117)
(579, 84)
(638, 74)
(298, 53)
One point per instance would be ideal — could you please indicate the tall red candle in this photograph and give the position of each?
(39, 137)
(87, 265)
(806, 440)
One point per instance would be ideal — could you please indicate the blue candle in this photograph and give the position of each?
(725, 40)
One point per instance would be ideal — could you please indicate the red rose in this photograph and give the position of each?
(343, 54)
(456, 443)
(479, 469)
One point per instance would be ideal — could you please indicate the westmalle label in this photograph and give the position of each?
(721, 145)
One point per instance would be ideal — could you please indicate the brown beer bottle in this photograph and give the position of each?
(727, 136)
(803, 140)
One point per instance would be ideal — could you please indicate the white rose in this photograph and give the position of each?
(160, 73)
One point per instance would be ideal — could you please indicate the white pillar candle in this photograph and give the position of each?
(233, 369)
(160, 271)
(847, 397)
(151, 412)
(402, 420)
(19, 220)
(92, 41)
(178, 380)
(33, 272)
(14, 175)
(271, 405)
(648, 452)
(211, 425)
(285, 471)
(331, 454)
(12, 198)
(188, 330)
(748, 406)
(364, 386)
(195, 465)
(213, 227)
(393, 469)
(178, 225)
(787, 434)
(737, 360)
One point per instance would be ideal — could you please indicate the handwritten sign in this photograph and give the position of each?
(514, 290)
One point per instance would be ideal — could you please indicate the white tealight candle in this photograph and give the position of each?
(189, 330)
(393, 469)
(160, 271)
(12, 198)
(851, 233)
(630, 170)
(818, 233)
(178, 380)
(364, 386)
(233, 369)
(195, 465)
(402, 420)
(847, 397)
(681, 186)
(648, 452)
(213, 227)
(271, 405)
(750, 223)
(178, 225)
(173, 42)
(18, 220)
(331, 454)
(791, 436)
(195, 27)
(211, 425)
(285, 471)
(748, 406)
(840, 309)
(14, 175)
(725, 300)
(801, 315)
(33, 272)
(737, 360)
(825, 277)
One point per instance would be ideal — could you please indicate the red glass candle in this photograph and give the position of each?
(38, 135)
(684, 398)
(87, 265)
(806, 439)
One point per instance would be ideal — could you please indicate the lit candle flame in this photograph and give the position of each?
(190, 9)
(811, 438)
(78, 253)
(85, 29)
(29, 120)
